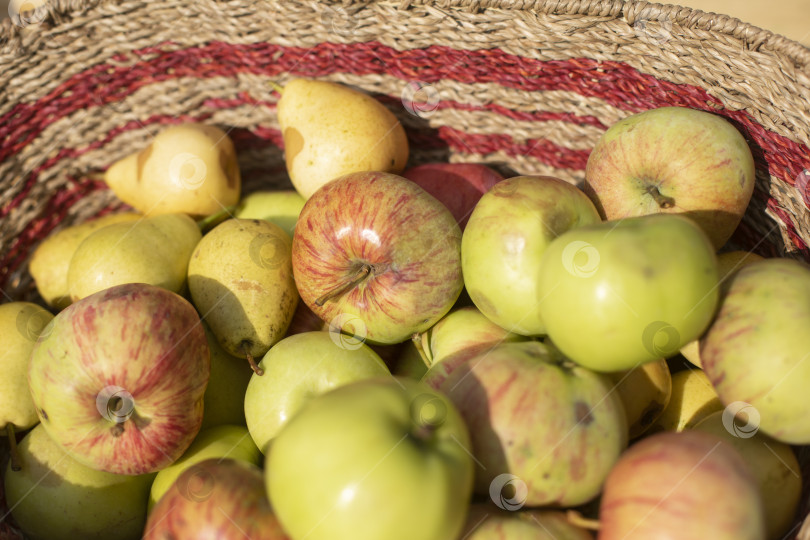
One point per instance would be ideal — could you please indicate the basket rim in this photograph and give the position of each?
(754, 37)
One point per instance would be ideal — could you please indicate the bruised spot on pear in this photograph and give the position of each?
(293, 144)
(650, 414)
(143, 156)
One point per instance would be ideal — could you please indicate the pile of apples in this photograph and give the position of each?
(432, 353)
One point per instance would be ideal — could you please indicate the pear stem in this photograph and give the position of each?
(208, 222)
(358, 276)
(12, 443)
(575, 518)
(662, 200)
(417, 342)
(252, 361)
(423, 432)
(277, 87)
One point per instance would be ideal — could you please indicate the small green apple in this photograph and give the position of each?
(279, 207)
(508, 231)
(379, 458)
(618, 294)
(217, 442)
(54, 497)
(298, 368)
(224, 398)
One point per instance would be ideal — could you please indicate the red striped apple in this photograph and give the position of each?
(376, 248)
(118, 379)
(673, 160)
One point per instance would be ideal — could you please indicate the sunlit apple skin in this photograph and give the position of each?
(503, 244)
(533, 414)
(488, 522)
(408, 241)
(458, 186)
(681, 486)
(133, 340)
(697, 161)
(756, 349)
(618, 294)
(375, 459)
(219, 498)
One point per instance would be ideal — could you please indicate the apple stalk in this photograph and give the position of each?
(355, 279)
(12, 443)
(662, 200)
(420, 341)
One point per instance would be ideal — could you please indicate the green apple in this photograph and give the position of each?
(409, 362)
(298, 368)
(279, 207)
(756, 349)
(21, 323)
(379, 458)
(508, 231)
(538, 421)
(673, 159)
(54, 497)
(773, 463)
(217, 442)
(224, 398)
(618, 294)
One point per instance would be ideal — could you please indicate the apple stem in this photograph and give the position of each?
(12, 443)
(359, 275)
(277, 87)
(418, 343)
(208, 222)
(662, 200)
(252, 361)
(575, 518)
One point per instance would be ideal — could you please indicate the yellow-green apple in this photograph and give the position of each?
(378, 458)
(279, 207)
(223, 441)
(488, 522)
(554, 427)
(673, 160)
(773, 464)
(509, 229)
(458, 186)
(681, 485)
(409, 362)
(298, 368)
(727, 264)
(645, 392)
(756, 349)
(377, 247)
(21, 323)
(618, 294)
(224, 398)
(216, 498)
(118, 378)
(54, 497)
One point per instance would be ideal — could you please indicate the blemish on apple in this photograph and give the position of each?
(583, 413)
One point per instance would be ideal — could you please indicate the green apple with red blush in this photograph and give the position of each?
(673, 160)
(118, 378)
(377, 247)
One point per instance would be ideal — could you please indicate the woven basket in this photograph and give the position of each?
(527, 86)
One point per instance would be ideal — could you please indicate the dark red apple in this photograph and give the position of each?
(457, 185)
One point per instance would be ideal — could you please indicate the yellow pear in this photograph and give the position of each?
(773, 463)
(20, 325)
(727, 265)
(50, 261)
(693, 398)
(54, 497)
(188, 168)
(645, 392)
(153, 250)
(241, 281)
(330, 130)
